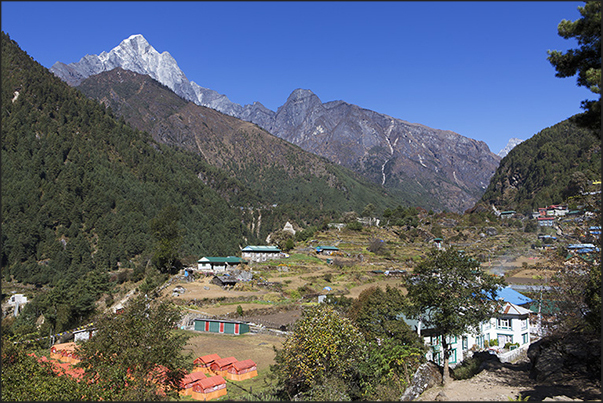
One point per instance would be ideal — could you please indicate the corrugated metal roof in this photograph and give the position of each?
(209, 382)
(251, 248)
(224, 362)
(206, 359)
(192, 377)
(510, 295)
(327, 248)
(218, 259)
(245, 364)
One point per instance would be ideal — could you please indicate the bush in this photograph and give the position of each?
(354, 226)
(467, 369)
(493, 342)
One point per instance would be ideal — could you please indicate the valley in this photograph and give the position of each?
(115, 183)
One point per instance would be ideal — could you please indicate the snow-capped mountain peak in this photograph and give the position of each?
(510, 145)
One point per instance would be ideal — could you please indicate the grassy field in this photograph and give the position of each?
(258, 347)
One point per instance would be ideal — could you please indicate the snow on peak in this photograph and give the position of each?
(510, 145)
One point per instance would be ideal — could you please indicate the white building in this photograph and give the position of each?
(512, 326)
(18, 301)
(260, 253)
(218, 264)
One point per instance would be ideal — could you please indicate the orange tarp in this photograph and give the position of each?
(64, 352)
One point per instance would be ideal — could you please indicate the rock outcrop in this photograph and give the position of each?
(555, 358)
(426, 376)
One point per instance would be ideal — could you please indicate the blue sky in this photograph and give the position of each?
(476, 68)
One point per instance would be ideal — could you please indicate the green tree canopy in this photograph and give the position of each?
(452, 295)
(584, 61)
(26, 379)
(168, 238)
(134, 352)
(377, 314)
(323, 346)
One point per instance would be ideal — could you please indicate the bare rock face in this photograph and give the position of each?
(289, 228)
(555, 359)
(427, 376)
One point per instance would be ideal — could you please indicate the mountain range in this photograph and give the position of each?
(280, 171)
(431, 167)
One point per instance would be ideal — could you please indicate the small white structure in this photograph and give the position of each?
(84, 334)
(218, 264)
(17, 300)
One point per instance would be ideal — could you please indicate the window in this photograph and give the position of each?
(524, 324)
(504, 339)
(452, 357)
(480, 341)
(450, 339)
(486, 325)
(465, 343)
(503, 324)
(525, 338)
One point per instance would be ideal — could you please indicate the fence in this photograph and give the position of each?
(514, 355)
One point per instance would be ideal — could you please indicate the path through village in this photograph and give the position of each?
(509, 381)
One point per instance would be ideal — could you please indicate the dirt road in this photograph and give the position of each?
(507, 381)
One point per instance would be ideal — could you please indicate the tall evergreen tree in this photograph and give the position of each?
(584, 61)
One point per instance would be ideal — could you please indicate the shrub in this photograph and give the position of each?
(354, 226)
(493, 342)
(467, 369)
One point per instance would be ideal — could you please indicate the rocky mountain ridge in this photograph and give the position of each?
(267, 164)
(434, 167)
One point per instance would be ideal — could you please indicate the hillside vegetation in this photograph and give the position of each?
(80, 188)
(282, 173)
(553, 165)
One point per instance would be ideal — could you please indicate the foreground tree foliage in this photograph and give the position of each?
(323, 347)
(26, 379)
(584, 61)
(136, 355)
(451, 294)
(377, 314)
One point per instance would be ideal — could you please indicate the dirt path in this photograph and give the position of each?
(510, 381)
(501, 382)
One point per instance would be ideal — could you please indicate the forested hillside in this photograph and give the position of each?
(85, 194)
(553, 165)
(80, 189)
(282, 172)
